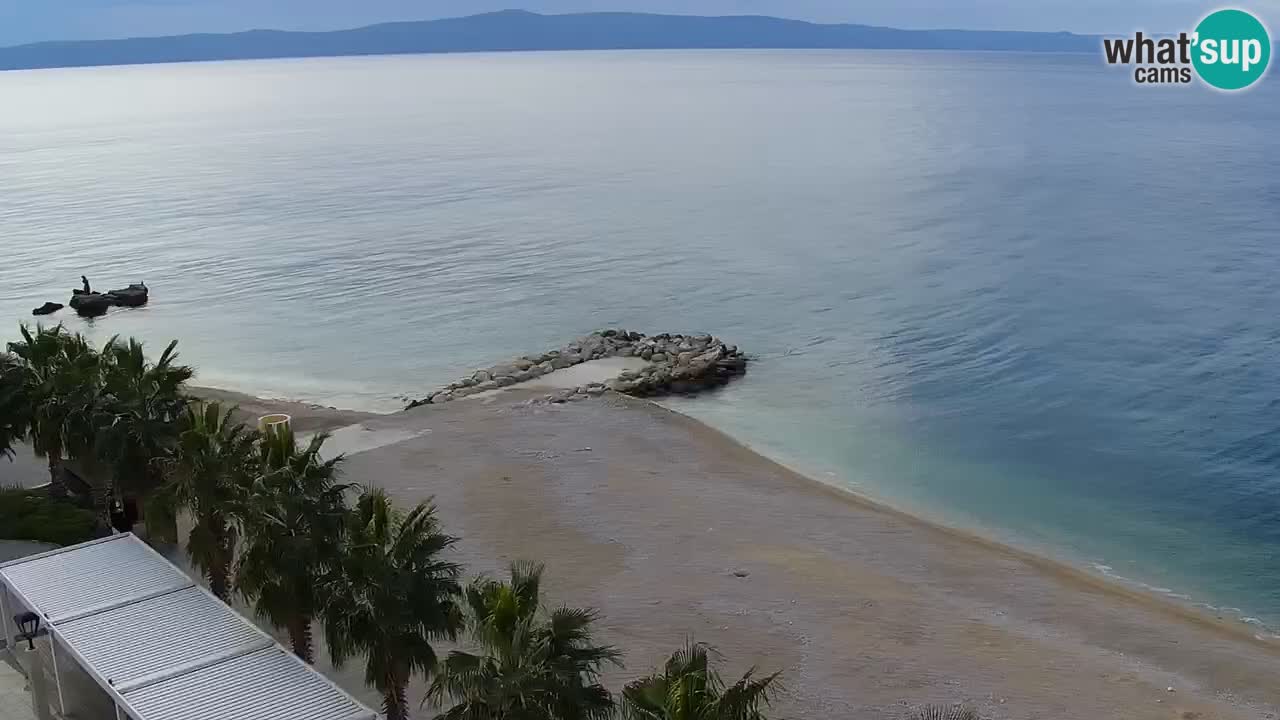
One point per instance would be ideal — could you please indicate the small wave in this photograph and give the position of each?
(1109, 572)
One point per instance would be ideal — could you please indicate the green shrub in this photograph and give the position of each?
(32, 515)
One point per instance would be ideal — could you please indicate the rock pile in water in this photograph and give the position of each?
(93, 304)
(678, 364)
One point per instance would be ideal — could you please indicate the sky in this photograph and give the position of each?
(23, 21)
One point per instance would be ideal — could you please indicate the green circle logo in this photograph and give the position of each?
(1232, 49)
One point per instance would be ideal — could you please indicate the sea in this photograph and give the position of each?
(1016, 293)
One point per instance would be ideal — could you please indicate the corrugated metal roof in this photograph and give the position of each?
(270, 684)
(168, 631)
(70, 582)
(164, 648)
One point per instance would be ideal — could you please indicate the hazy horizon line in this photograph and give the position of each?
(252, 30)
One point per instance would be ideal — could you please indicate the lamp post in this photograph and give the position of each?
(29, 626)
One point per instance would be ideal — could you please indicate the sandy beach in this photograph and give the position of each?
(673, 530)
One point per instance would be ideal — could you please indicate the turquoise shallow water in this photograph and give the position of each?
(1017, 293)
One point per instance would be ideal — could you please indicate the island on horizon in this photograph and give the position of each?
(520, 30)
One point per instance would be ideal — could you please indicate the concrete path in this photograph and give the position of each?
(24, 470)
(15, 703)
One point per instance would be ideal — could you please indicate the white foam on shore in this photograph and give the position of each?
(1108, 572)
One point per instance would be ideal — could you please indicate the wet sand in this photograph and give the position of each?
(306, 418)
(674, 530)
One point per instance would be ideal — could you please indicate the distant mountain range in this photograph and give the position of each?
(514, 30)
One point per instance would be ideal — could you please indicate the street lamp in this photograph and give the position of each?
(28, 625)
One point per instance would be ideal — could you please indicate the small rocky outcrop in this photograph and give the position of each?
(678, 364)
(135, 295)
(93, 304)
(48, 308)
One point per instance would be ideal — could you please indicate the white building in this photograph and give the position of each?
(130, 636)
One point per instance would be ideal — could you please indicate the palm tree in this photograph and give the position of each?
(688, 688)
(207, 475)
(292, 520)
(391, 596)
(61, 381)
(138, 423)
(533, 666)
(145, 401)
(33, 364)
(14, 407)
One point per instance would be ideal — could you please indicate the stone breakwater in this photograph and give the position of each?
(677, 364)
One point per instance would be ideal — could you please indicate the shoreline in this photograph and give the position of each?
(1095, 570)
(1110, 584)
(673, 529)
(310, 417)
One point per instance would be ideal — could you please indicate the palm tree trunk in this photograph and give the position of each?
(99, 493)
(219, 581)
(162, 525)
(57, 488)
(300, 638)
(166, 523)
(395, 701)
(100, 481)
(220, 572)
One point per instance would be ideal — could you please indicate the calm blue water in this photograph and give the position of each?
(1016, 292)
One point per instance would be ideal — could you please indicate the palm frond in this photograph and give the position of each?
(387, 595)
(532, 664)
(689, 688)
(944, 712)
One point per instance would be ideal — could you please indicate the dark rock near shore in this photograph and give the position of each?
(93, 304)
(680, 364)
(133, 296)
(48, 308)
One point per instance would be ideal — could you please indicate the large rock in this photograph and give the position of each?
(48, 308)
(133, 296)
(507, 369)
(91, 304)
